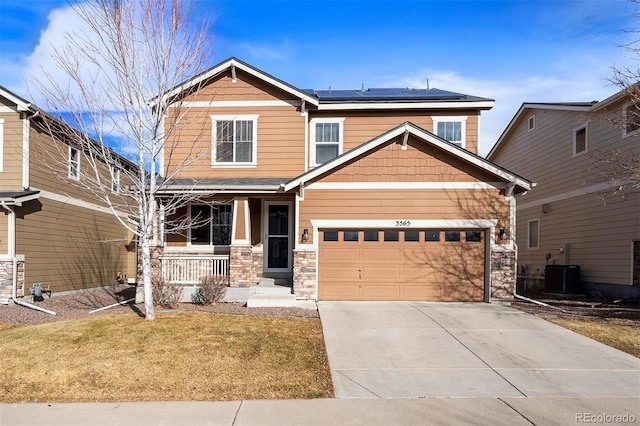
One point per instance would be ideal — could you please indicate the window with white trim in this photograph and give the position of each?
(532, 123)
(533, 234)
(115, 179)
(580, 140)
(1, 142)
(235, 140)
(211, 225)
(74, 163)
(631, 116)
(452, 129)
(326, 139)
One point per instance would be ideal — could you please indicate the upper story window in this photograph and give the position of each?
(211, 224)
(235, 140)
(452, 129)
(74, 163)
(326, 138)
(532, 123)
(115, 179)
(580, 140)
(631, 116)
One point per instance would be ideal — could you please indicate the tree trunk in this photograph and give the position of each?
(149, 312)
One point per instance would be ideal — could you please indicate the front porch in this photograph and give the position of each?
(248, 239)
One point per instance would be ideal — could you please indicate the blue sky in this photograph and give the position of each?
(510, 51)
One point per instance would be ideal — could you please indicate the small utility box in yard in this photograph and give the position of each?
(562, 279)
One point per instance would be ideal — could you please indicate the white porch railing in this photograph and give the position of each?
(188, 269)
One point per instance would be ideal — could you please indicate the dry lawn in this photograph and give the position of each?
(622, 337)
(180, 356)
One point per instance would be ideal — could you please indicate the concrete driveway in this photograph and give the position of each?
(423, 349)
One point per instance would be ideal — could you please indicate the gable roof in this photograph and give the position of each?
(342, 99)
(562, 106)
(233, 63)
(21, 104)
(406, 129)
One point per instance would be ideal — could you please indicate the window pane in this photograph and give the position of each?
(330, 235)
(245, 131)
(350, 236)
(224, 131)
(533, 234)
(411, 236)
(581, 140)
(201, 231)
(326, 152)
(632, 121)
(452, 236)
(244, 152)
(432, 235)
(450, 130)
(224, 152)
(221, 224)
(473, 236)
(371, 235)
(391, 236)
(327, 132)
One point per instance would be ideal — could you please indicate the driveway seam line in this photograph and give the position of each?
(467, 348)
(515, 410)
(235, 416)
(363, 387)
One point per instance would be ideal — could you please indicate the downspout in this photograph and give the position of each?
(14, 284)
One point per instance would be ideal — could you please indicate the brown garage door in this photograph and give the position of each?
(430, 265)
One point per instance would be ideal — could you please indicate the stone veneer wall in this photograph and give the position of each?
(6, 280)
(304, 274)
(240, 266)
(257, 265)
(503, 275)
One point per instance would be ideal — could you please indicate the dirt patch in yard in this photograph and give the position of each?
(613, 322)
(79, 305)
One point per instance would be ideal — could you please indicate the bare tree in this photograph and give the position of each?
(622, 169)
(129, 53)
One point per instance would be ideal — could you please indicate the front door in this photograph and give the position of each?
(278, 237)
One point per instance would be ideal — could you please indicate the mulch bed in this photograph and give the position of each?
(78, 305)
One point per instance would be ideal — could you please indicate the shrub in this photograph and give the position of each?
(212, 289)
(165, 294)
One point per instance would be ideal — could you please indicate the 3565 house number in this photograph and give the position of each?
(403, 223)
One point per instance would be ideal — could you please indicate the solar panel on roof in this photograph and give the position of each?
(387, 93)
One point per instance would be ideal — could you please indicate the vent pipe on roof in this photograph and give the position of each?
(428, 85)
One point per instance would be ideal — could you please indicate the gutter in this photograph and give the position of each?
(14, 284)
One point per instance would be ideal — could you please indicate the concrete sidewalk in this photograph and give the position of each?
(432, 411)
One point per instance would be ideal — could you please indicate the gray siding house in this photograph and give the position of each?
(573, 216)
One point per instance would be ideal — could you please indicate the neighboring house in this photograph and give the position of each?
(374, 194)
(571, 216)
(51, 231)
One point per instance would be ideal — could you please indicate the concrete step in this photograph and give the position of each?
(271, 300)
(270, 289)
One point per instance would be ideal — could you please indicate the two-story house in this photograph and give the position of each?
(573, 216)
(373, 194)
(51, 231)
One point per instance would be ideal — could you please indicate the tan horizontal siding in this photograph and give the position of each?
(246, 87)
(71, 247)
(360, 127)
(599, 237)
(280, 145)
(11, 175)
(403, 204)
(418, 163)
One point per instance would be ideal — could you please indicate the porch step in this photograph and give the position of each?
(271, 300)
(281, 282)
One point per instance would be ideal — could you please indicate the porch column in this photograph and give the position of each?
(240, 260)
